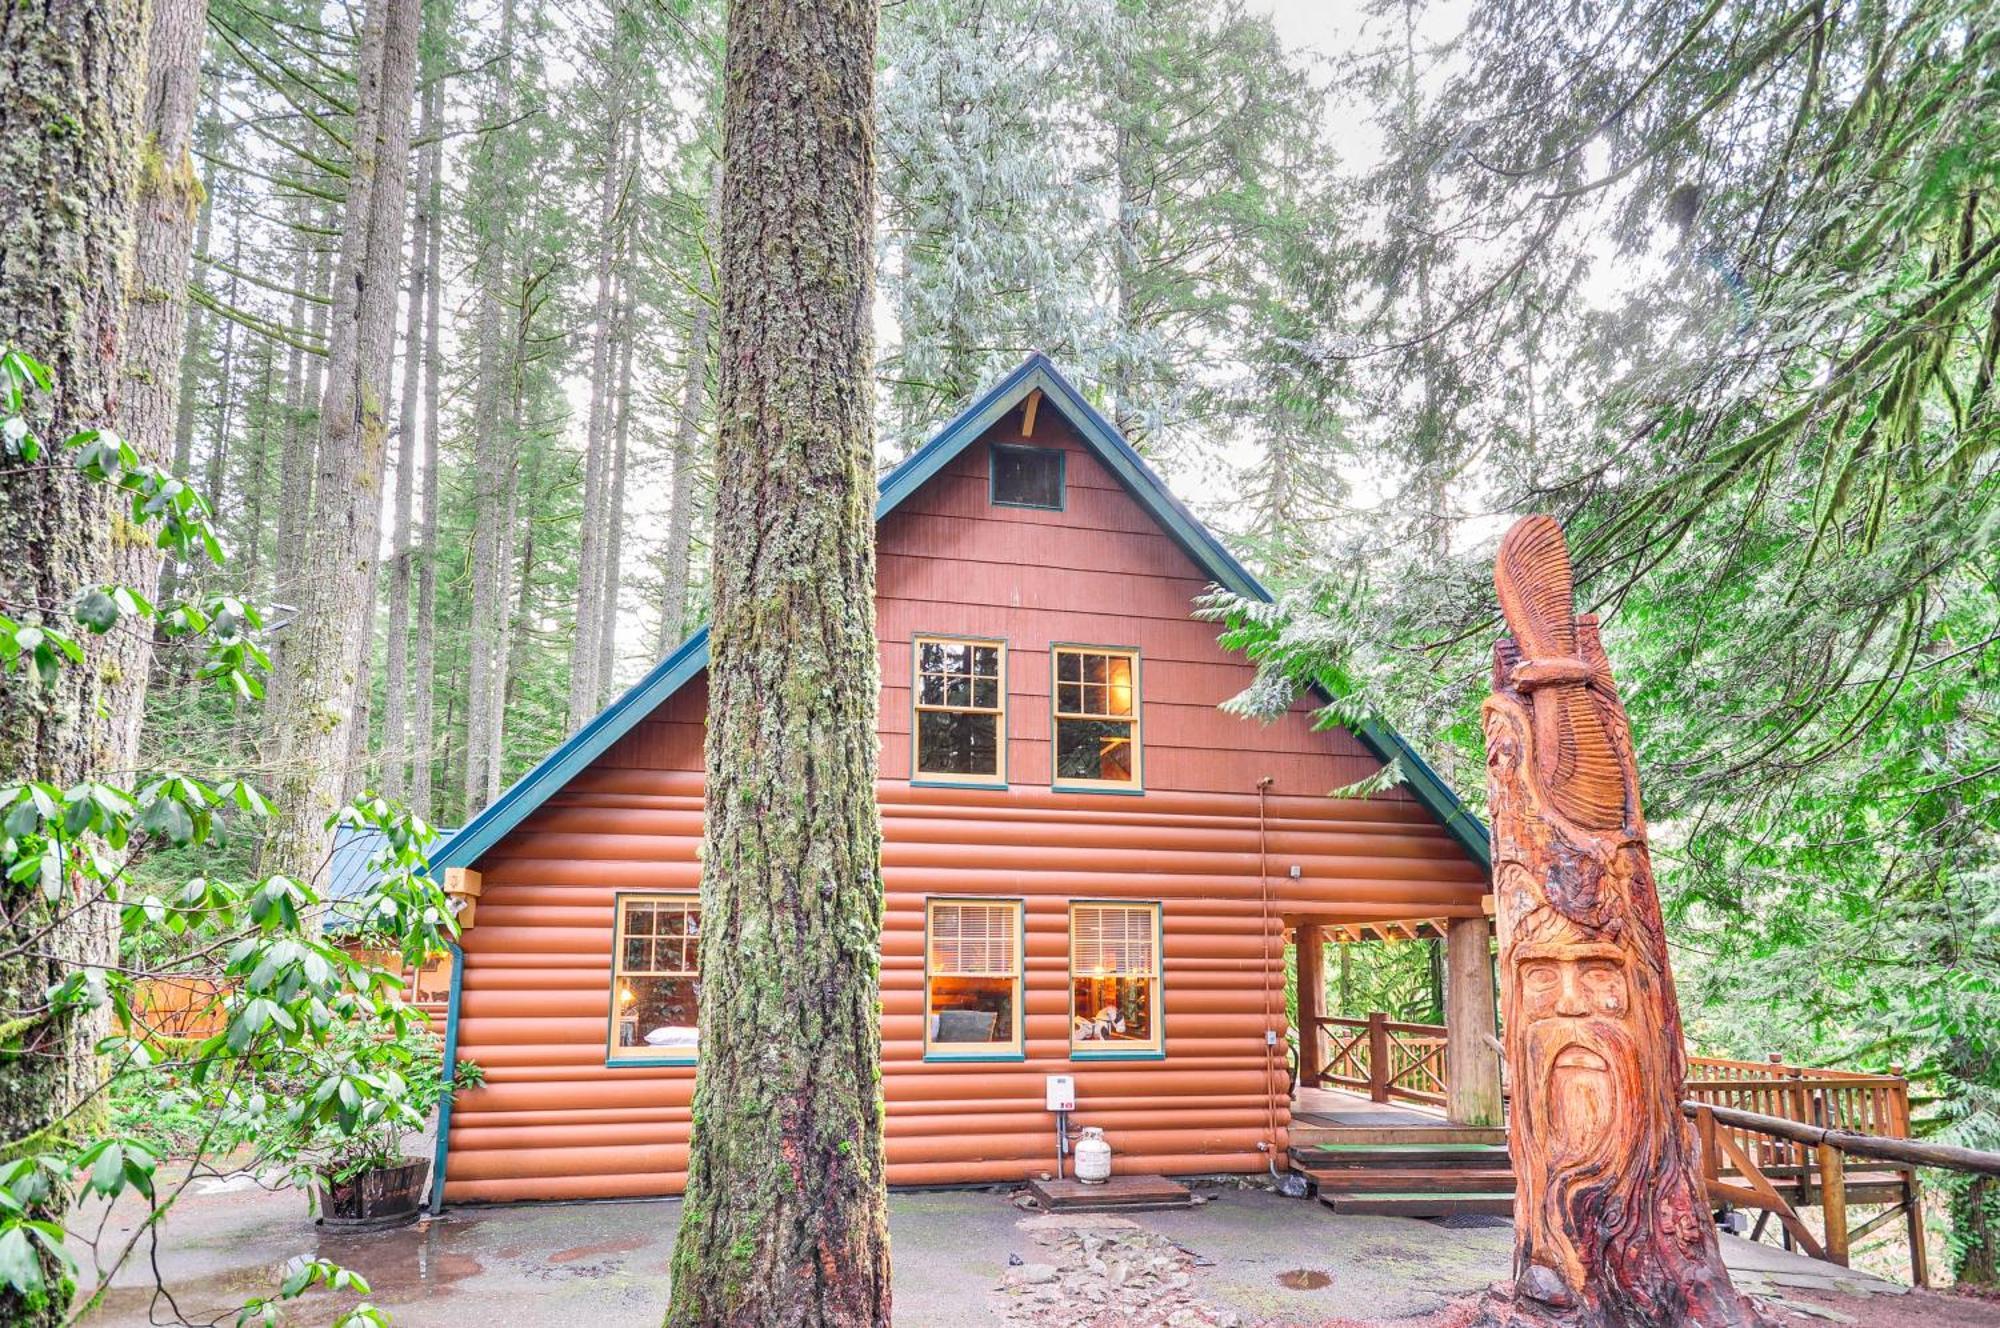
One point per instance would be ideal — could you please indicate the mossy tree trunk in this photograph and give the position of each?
(785, 1218)
(72, 86)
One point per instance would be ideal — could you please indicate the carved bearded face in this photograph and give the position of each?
(1575, 1011)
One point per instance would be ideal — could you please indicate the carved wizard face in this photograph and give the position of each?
(1574, 1008)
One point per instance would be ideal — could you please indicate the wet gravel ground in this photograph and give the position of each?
(1245, 1258)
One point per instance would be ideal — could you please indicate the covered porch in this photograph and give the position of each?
(1360, 1068)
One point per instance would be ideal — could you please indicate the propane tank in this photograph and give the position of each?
(1093, 1157)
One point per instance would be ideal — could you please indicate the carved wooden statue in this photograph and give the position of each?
(1611, 1222)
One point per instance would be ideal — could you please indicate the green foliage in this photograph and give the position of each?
(318, 1061)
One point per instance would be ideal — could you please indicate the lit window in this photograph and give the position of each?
(961, 730)
(1097, 718)
(1114, 978)
(972, 978)
(656, 977)
(1027, 476)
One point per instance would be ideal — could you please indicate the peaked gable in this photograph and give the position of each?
(1117, 456)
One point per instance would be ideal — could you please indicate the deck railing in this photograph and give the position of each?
(1393, 1061)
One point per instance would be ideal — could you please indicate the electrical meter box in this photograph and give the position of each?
(1062, 1092)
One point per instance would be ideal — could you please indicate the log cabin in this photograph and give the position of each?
(1090, 869)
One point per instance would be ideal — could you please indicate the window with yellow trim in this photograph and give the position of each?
(961, 710)
(1097, 717)
(972, 977)
(1114, 978)
(656, 977)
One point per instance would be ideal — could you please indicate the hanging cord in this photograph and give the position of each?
(1270, 1027)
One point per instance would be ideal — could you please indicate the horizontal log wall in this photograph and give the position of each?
(554, 1121)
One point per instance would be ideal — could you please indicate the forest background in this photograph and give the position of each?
(1718, 283)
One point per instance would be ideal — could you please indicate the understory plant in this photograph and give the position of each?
(315, 1058)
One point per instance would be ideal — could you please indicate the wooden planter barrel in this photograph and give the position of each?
(373, 1200)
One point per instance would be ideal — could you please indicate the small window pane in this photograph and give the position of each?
(930, 657)
(1093, 668)
(933, 690)
(1110, 1011)
(1095, 749)
(986, 661)
(1069, 667)
(1069, 697)
(986, 693)
(950, 743)
(636, 953)
(639, 920)
(1028, 477)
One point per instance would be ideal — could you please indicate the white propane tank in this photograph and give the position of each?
(1093, 1157)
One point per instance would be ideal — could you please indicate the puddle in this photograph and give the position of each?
(577, 1252)
(1305, 1279)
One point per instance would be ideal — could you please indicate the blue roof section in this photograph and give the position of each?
(351, 872)
(1118, 456)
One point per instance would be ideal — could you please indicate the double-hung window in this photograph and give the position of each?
(656, 977)
(1114, 979)
(1096, 718)
(972, 978)
(961, 711)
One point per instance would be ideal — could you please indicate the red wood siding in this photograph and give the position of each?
(553, 1121)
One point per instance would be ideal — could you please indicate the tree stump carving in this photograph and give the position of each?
(1611, 1217)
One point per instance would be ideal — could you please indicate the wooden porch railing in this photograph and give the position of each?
(1388, 1060)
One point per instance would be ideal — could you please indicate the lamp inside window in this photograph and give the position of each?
(1096, 717)
(656, 977)
(1114, 978)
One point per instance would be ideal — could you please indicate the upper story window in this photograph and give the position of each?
(656, 977)
(972, 977)
(1027, 476)
(961, 710)
(1096, 718)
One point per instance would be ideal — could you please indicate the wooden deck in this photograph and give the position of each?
(1388, 1159)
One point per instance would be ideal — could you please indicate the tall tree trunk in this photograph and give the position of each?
(165, 87)
(395, 668)
(1611, 1224)
(325, 652)
(257, 480)
(590, 571)
(687, 436)
(485, 627)
(305, 380)
(72, 101)
(422, 709)
(495, 760)
(614, 521)
(784, 1222)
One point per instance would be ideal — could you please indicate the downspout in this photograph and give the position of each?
(446, 1070)
(1270, 1027)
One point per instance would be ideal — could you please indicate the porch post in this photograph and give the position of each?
(1309, 945)
(1472, 1066)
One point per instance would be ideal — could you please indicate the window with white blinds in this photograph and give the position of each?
(1110, 940)
(972, 978)
(1114, 970)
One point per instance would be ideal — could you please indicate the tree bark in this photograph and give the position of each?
(485, 631)
(422, 721)
(583, 681)
(784, 1221)
(614, 518)
(1611, 1224)
(687, 438)
(325, 652)
(395, 665)
(72, 100)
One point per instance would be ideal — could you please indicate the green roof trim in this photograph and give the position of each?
(1118, 456)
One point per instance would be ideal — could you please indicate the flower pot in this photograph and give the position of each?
(375, 1199)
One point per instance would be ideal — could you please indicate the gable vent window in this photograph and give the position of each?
(1027, 476)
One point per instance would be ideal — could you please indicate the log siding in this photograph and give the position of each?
(553, 1120)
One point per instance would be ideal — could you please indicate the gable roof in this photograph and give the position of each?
(1139, 480)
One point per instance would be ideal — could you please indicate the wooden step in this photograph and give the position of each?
(1307, 1135)
(1411, 1180)
(1419, 1205)
(1400, 1155)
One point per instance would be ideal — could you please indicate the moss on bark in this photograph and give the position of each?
(785, 1220)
